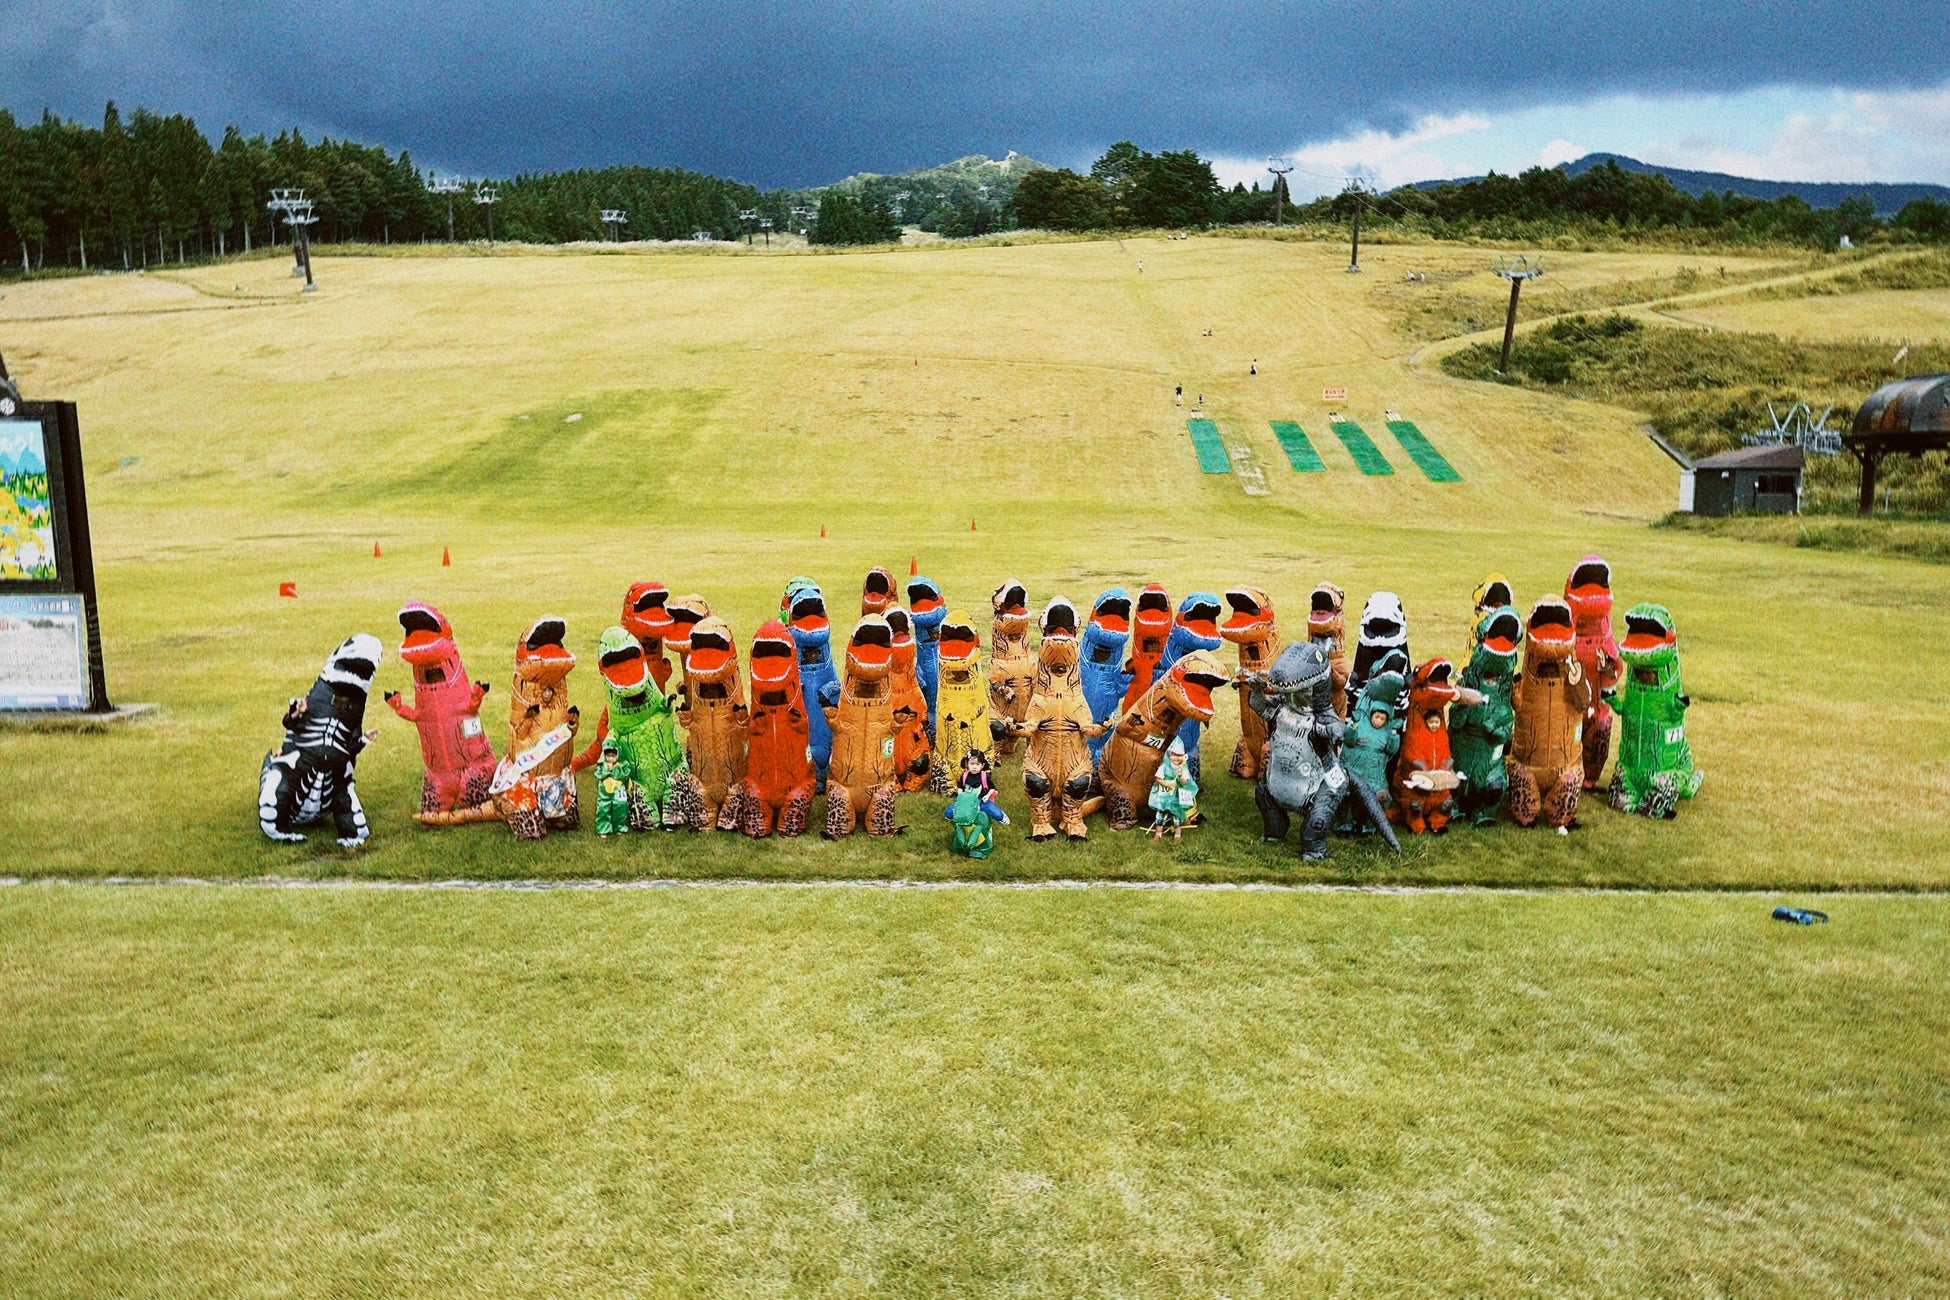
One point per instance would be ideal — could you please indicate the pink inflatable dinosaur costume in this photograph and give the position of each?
(447, 709)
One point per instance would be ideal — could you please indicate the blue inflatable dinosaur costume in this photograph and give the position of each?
(1105, 678)
(926, 610)
(812, 637)
(1195, 628)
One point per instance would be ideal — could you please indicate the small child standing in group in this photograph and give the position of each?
(1174, 794)
(975, 776)
(973, 810)
(614, 777)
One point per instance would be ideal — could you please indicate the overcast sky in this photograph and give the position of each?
(797, 92)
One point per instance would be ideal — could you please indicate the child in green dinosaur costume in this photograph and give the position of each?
(640, 721)
(974, 835)
(1480, 733)
(1374, 734)
(1655, 764)
(614, 778)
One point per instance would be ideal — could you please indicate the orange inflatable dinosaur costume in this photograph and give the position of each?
(1327, 626)
(1250, 626)
(779, 777)
(913, 752)
(1056, 770)
(1137, 745)
(861, 779)
(1012, 668)
(713, 716)
(1544, 770)
(646, 619)
(1151, 619)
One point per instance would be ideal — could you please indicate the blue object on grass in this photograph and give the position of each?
(1800, 915)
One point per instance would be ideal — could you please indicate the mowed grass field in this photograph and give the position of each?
(834, 1089)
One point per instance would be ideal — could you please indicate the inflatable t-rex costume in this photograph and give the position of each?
(1012, 668)
(1588, 592)
(862, 782)
(1327, 627)
(1150, 629)
(1374, 736)
(646, 618)
(533, 788)
(1480, 733)
(1105, 678)
(446, 709)
(1545, 767)
(779, 779)
(927, 609)
(309, 778)
(793, 587)
(806, 615)
(1056, 770)
(962, 721)
(1250, 627)
(1492, 593)
(1655, 763)
(913, 755)
(1139, 740)
(638, 716)
(1303, 774)
(1384, 627)
(686, 612)
(1425, 771)
(877, 592)
(713, 715)
(1195, 628)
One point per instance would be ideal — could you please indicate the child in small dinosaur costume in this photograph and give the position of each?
(1544, 770)
(779, 779)
(1056, 769)
(1588, 592)
(1425, 770)
(1655, 763)
(1196, 627)
(446, 709)
(614, 777)
(862, 781)
(1250, 627)
(1174, 793)
(962, 701)
(1144, 732)
(639, 717)
(1012, 668)
(973, 810)
(1374, 737)
(1327, 626)
(1480, 733)
(713, 713)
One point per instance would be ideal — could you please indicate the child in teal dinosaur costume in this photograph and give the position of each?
(1374, 734)
(1480, 733)
(614, 780)
(639, 719)
(1655, 764)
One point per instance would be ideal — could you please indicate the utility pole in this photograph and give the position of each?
(487, 196)
(1358, 192)
(613, 219)
(449, 186)
(1516, 273)
(1279, 167)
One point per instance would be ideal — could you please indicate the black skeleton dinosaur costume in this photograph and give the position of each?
(309, 778)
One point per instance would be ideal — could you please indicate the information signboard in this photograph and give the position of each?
(43, 652)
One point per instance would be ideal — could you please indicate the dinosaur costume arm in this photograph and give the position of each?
(479, 694)
(401, 707)
(589, 756)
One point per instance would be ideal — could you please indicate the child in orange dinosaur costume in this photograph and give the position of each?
(1425, 780)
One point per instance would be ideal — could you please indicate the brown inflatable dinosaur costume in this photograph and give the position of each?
(861, 779)
(713, 715)
(1544, 769)
(1327, 625)
(1012, 668)
(877, 592)
(1137, 745)
(1250, 626)
(779, 775)
(1056, 770)
(685, 612)
(533, 789)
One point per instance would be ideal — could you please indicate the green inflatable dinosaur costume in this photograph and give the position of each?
(974, 836)
(640, 721)
(1480, 733)
(1655, 764)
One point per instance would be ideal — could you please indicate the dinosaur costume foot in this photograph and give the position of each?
(796, 815)
(429, 797)
(1560, 806)
(755, 818)
(527, 824)
(938, 784)
(839, 812)
(476, 791)
(1118, 810)
(1662, 800)
(1521, 794)
(880, 812)
(684, 804)
(641, 816)
(1597, 748)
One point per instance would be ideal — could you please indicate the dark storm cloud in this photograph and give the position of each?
(803, 91)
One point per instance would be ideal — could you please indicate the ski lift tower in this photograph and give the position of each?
(1357, 188)
(614, 219)
(487, 196)
(297, 210)
(748, 218)
(449, 186)
(1516, 273)
(1279, 167)
(802, 218)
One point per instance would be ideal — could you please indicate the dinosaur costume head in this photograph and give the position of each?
(1189, 685)
(541, 660)
(625, 668)
(686, 612)
(1326, 612)
(774, 667)
(1011, 605)
(925, 604)
(1433, 688)
(1588, 591)
(349, 670)
(1151, 621)
(644, 614)
(1496, 638)
(1251, 619)
(1493, 592)
(961, 647)
(1651, 644)
(1109, 627)
(877, 592)
(713, 656)
(1197, 624)
(805, 613)
(1384, 624)
(1298, 672)
(1058, 653)
(792, 588)
(900, 630)
(870, 650)
(1549, 637)
(427, 645)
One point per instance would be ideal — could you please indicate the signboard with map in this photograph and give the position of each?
(43, 652)
(26, 507)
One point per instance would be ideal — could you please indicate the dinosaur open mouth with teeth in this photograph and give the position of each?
(877, 592)
(1644, 635)
(1113, 612)
(427, 639)
(1199, 684)
(773, 659)
(870, 650)
(686, 612)
(1589, 590)
(644, 615)
(1434, 684)
(1550, 628)
(540, 657)
(625, 668)
(1249, 614)
(923, 597)
(710, 652)
(959, 641)
(1201, 615)
(1060, 619)
(809, 612)
(1504, 634)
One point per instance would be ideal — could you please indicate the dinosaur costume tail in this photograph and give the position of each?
(483, 812)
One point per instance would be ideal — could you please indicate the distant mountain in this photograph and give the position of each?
(1888, 197)
(972, 172)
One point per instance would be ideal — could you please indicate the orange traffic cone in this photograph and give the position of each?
(971, 525)
(822, 530)
(446, 559)
(375, 550)
(288, 589)
(913, 565)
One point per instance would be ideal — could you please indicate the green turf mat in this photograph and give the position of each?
(1367, 457)
(1423, 452)
(1299, 452)
(1211, 448)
